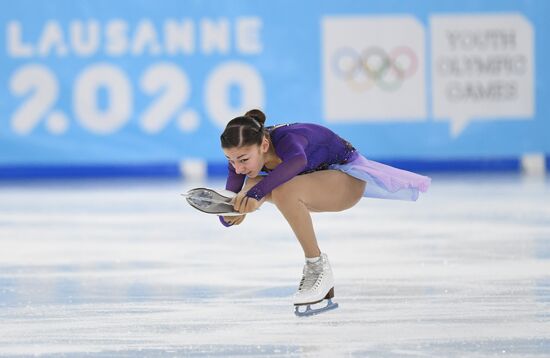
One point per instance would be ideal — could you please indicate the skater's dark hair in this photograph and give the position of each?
(244, 130)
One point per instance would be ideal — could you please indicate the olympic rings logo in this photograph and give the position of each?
(375, 67)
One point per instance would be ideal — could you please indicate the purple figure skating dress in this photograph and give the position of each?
(305, 148)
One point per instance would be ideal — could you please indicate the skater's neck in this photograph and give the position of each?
(271, 159)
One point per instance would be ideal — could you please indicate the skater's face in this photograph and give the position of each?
(248, 160)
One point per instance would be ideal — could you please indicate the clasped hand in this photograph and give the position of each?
(244, 204)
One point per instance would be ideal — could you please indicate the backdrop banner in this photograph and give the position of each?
(130, 82)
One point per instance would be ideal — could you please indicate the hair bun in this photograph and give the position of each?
(257, 115)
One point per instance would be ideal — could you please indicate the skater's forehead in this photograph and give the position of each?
(238, 152)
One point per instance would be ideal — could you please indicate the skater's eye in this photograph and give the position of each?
(240, 161)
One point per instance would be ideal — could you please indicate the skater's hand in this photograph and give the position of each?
(234, 220)
(244, 204)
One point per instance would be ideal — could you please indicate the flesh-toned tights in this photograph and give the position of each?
(321, 191)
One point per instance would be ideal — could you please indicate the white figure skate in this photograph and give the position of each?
(210, 201)
(317, 284)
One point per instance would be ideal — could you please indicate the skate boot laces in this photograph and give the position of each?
(312, 274)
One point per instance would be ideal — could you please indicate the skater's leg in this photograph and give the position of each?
(297, 215)
(327, 190)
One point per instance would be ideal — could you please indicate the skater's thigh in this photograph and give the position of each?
(325, 190)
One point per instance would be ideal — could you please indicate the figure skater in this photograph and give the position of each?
(303, 168)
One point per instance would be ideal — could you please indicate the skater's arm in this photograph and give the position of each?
(234, 183)
(291, 150)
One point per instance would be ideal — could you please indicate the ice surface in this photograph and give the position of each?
(129, 269)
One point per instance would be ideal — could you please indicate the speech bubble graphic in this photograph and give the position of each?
(482, 68)
(373, 68)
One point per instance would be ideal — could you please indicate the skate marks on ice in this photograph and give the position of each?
(132, 270)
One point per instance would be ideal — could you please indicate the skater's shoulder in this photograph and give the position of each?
(300, 128)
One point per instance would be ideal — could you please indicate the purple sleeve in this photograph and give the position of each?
(224, 223)
(234, 183)
(291, 149)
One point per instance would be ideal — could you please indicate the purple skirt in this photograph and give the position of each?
(384, 181)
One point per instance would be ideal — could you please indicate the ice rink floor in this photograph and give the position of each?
(127, 268)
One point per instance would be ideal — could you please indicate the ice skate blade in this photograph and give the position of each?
(210, 201)
(313, 311)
